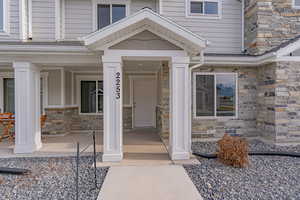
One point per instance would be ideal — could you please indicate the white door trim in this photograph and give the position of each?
(136, 77)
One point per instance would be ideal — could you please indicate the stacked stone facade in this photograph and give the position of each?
(163, 110)
(61, 121)
(268, 23)
(279, 102)
(245, 122)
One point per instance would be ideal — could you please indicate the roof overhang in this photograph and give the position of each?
(143, 20)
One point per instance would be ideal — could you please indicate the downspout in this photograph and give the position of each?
(198, 65)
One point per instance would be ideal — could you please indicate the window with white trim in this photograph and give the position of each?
(110, 13)
(91, 96)
(8, 100)
(208, 8)
(215, 94)
(296, 4)
(3, 17)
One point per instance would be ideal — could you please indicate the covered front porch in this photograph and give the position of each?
(113, 81)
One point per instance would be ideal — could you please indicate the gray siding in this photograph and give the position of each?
(43, 20)
(13, 22)
(225, 34)
(78, 18)
(137, 5)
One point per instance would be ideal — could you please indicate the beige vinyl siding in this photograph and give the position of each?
(54, 87)
(13, 22)
(225, 34)
(137, 5)
(78, 18)
(43, 20)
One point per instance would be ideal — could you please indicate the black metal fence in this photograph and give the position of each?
(80, 168)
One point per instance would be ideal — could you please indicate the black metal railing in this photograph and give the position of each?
(79, 168)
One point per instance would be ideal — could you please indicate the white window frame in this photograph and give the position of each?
(81, 78)
(5, 30)
(44, 76)
(108, 2)
(294, 5)
(203, 15)
(215, 96)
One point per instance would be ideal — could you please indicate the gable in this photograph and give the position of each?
(145, 41)
(146, 20)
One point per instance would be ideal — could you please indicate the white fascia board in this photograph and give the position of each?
(42, 48)
(289, 49)
(140, 16)
(238, 60)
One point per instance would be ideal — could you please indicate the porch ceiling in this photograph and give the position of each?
(143, 20)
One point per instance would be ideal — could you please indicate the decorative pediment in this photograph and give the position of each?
(142, 22)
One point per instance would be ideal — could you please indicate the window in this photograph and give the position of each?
(91, 97)
(9, 95)
(207, 8)
(215, 95)
(296, 4)
(110, 13)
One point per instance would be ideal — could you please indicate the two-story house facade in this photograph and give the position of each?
(189, 68)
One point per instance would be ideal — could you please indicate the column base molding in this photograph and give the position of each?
(179, 155)
(27, 148)
(108, 157)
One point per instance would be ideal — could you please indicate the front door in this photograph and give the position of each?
(144, 98)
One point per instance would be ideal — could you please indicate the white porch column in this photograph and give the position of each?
(27, 107)
(113, 121)
(179, 109)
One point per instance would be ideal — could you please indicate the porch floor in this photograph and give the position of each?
(140, 146)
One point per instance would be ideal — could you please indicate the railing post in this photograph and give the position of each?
(95, 165)
(77, 172)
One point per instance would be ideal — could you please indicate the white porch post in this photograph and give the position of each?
(27, 107)
(113, 122)
(179, 109)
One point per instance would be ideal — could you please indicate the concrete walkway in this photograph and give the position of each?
(163, 182)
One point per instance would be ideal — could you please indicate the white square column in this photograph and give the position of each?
(179, 147)
(27, 108)
(113, 105)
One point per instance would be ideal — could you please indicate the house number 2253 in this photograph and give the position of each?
(118, 85)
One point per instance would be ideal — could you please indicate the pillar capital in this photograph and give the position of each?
(111, 59)
(180, 60)
(24, 65)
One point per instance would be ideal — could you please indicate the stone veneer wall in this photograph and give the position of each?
(62, 121)
(163, 108)
(279, 102)
(269, 23)
(245, 123)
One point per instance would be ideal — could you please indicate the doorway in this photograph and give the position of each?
(144, 101)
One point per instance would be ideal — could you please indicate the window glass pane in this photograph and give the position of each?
(118, 12)
(211, 8)
(297, 2)
(226, 94)
(9, 95)
(88, 96)
(196, 7)
(205, 95)
(100, 96)
(103, 15)
(1, 15)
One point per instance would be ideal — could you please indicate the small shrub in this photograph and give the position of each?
(233, 151)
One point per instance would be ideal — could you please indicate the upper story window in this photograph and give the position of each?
(296, 4)
(215, 95)
(3, 16)
(204, 8)
(110, 13)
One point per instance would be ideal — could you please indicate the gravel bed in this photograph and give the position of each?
(267, 177)
(51, 178)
